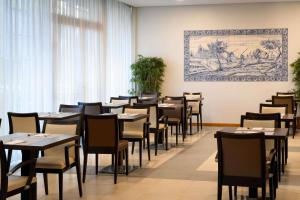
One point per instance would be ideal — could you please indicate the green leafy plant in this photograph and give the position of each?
(147, 75)
(296, 79)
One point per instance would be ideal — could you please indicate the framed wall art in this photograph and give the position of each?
(236, 55)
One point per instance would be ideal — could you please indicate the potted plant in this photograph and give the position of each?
(147, 75)
(296, 79)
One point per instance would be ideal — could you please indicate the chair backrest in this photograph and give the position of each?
(23, 122)
(288, 100)
(139, 124)
(61, 127)
(241, 158)
(271, 108)
(180, 111)
(153, 98)
(252, 120)
(132, 99)
(118, 100)
(3, 171)
(70, 108)
(91, 108)
(196, 103)
(153, 113)
(101, 132)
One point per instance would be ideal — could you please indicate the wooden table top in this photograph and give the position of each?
(129, 117)
(57, 115)
(35, 141)
(126, 117)
(278, 133)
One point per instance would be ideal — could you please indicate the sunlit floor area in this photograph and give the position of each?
(187, 171)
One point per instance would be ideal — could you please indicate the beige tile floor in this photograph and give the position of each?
(184, 172)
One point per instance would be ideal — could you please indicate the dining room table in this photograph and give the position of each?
(30, 144)
(277, 134)
(57, 115)
(113, 105)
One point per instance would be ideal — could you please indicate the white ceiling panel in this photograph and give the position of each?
(142, 3)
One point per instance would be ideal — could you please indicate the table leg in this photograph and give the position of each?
(253, 192)
(30, 194)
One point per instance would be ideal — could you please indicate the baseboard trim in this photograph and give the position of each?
(218, 124)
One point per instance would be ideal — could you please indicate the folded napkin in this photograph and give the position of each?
(15, 142)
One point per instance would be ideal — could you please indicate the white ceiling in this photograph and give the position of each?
(142, 3)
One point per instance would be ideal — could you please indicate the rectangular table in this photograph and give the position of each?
(57, 115)
(30, 145)
(278, 135)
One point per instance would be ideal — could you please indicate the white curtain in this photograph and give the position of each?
(119, 48)
(62, 51)
(25, 57)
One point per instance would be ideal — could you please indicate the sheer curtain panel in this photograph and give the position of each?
(62, 51)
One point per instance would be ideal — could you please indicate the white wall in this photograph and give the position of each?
(160, 33)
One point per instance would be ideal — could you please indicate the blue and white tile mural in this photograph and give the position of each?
(236, 55)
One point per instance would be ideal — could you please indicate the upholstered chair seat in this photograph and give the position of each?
(16, 182)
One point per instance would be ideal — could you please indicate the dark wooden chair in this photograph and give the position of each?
(242, 162)
(24, 123)
(102, 137)
(196, 105)
(132, 99)
(265, 120)
(76, 109)
(282, 109)
(11, 184)
(177, 116)
(158, 124)
(137, 131)
(91, 109)
(153, 98)
(119, 100)
(59, 159)
(289, 101)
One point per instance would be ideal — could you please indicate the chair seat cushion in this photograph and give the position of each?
(133, 134)
(16, 182)
(162, 126)
(52, 162)
(123, 144)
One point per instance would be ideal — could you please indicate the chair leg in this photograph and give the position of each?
(191, 126)
(197, 122)
(85, 157)
(201, 117)
(294, 127)
(116, 167)
(219, 191)
(78, 172)
(60, 185)
(171, 130)
(263, 191)
(176, 135)
(45, 176)
(230, 192)
(126, 161)
(156, 142)
(9, 155)
(140, 150)
(148, 146)
(132, 148)
(166, 136)
(96, 168)
(271, 188)
(235, 192)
